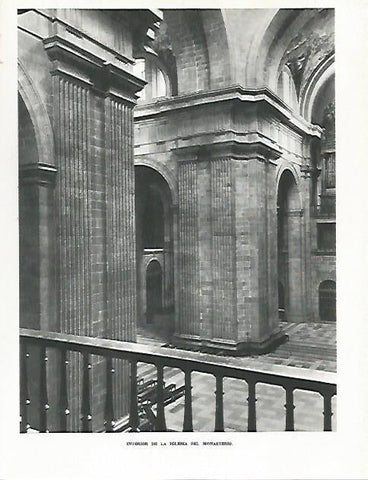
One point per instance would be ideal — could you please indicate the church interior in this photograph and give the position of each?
(177, 219)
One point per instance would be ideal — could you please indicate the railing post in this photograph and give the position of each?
(188, 415)
(219, 419)
(133, 409)
(86, 402)
(252, 419)
(327, 411)
(109, 404)
(44, 404)
(24, 395)
(289, 405)
(64, 407)
(160, 419)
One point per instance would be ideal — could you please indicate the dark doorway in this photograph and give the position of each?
(289, 247)
(327, 301)
(155, 248)
(153, 290)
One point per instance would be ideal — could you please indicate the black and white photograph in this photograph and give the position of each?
(179, 278)
(177, 192)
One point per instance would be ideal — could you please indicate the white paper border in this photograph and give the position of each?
(340, 455)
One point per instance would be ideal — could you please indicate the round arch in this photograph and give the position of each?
(290, 247)
(153, 67)
(319, 77)
(281, 170)
(154, 239)
(270, 42)
(39, 117)
(161, 170)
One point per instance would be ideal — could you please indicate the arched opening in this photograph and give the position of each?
(327, 301)
(290, 253)
(155, 262)
(158, 84)
(153, 290)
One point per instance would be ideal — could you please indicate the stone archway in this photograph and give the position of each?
(290, 247)
(155, 255)
(36, 183)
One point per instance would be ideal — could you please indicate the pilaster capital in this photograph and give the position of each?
(37, 174)
(74, 62)
(306, 171)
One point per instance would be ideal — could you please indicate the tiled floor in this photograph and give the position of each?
(310, 346)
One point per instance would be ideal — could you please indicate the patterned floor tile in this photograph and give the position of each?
(310, 346)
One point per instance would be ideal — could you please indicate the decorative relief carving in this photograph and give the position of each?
(309, 49)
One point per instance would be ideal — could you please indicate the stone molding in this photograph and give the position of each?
(37, 174)
(236, 94)
(295, 213)
(259, 149)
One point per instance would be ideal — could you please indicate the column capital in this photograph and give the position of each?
(306, 171)
(37, 174)
(93, 71)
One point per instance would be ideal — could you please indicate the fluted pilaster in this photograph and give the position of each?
(189, 318)
(222, 249)
(120, 227)
(120, 238)
(74, 206)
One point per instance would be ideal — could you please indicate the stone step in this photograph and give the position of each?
(305, 355)
(317, 351)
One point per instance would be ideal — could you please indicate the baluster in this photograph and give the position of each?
(327, 411)
(64, 407)
(219, 419)
(188, 415)
(24, 394)
(109, 403)
(86, 402)
(44, 404)
(289, 405)
(133, 409)
(252, 418)
(160, 419)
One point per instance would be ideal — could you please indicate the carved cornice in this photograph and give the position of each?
(235, 94)
(71, 60)
(37, 174)
(235, 149)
